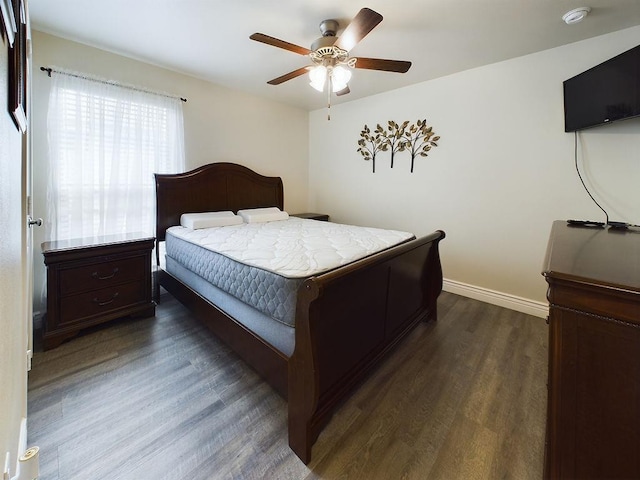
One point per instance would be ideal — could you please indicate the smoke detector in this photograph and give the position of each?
(576, 15)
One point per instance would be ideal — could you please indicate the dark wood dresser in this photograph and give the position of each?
(93, 280)
(593, 416)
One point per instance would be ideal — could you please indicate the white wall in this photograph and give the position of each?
(504, 169)
(220, 124)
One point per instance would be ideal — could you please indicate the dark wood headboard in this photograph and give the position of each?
(211, 188)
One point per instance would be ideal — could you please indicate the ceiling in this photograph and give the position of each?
(209, 39)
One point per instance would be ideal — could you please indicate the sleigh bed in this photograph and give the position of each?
(345, 319)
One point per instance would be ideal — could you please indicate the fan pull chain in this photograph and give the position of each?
(329, 89)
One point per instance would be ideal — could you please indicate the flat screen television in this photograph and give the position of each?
(605, 93)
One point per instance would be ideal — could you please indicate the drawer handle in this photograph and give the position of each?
(107, 302)
(95, 275)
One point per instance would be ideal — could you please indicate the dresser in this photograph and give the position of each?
(94, 280)
(593, 413)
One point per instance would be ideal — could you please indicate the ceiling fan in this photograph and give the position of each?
(331, 63)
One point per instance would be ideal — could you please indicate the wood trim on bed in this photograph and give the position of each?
(269, 362)
(346, 319)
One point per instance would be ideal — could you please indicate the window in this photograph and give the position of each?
(105, 143)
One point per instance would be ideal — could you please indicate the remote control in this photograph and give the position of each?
(585, 223)
(619, 225)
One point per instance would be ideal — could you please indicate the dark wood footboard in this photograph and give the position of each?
(347, 320)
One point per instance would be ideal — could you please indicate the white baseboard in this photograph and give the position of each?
(512, 302)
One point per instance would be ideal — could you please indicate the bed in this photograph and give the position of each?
(345, 319)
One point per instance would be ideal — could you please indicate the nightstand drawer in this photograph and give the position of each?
(101, 275)
(77, 308)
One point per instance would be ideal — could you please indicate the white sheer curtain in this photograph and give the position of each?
(105, 143)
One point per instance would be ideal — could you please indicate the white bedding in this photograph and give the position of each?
(293, 248)
(258, 215)
(209, 219)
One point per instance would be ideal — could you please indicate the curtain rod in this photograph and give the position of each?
(50, 70)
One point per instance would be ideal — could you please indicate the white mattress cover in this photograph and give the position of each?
(293, 248)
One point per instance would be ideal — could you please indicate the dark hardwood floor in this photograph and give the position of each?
(161, 398)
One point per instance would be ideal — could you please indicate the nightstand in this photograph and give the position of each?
(312, 216)
(94, 280)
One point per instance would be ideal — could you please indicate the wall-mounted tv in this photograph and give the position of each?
(605, 93)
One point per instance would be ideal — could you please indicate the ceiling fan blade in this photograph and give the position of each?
(398, 66)
(261, 37)
(365, 21)
(344, 91)
(289, 76)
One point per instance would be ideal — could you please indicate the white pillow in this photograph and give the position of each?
(195, 221)
(259, 215)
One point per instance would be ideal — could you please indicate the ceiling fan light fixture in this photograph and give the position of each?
(318, 77)
(576, 15)
(340, 77)
(329, 55)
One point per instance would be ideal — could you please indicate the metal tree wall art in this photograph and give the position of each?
(372, 143)
(417, 139)
(394, 137)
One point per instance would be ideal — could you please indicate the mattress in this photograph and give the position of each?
(278, 334)
(263, 264)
